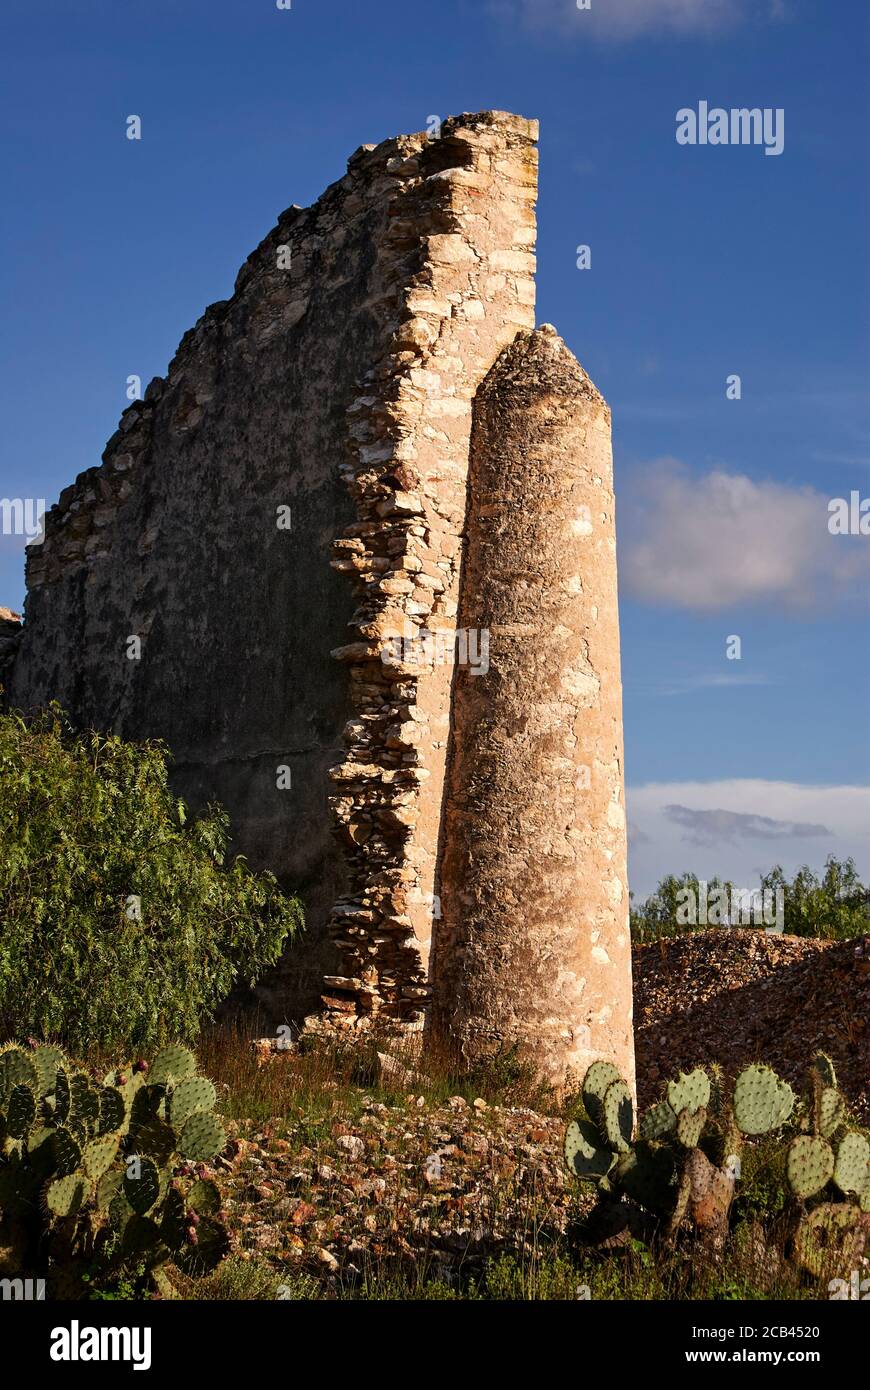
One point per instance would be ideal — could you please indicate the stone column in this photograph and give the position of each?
(533, 945)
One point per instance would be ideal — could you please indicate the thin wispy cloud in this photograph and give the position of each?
(720, 539)
(710, 827)
(623, 20)
(691, 685)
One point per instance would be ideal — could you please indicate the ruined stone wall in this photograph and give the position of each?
(352, 359)
(411, 436)
(10, 637)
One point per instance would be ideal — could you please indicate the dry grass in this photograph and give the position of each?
(338, 1079)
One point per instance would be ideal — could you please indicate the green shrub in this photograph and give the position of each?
(121, 922)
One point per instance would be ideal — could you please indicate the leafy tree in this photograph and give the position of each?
(122, 923)
(835, 907)
(666, 912)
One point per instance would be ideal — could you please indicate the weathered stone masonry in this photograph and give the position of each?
(533, 948)
(410, 431)
(405, 279)
(340, 381)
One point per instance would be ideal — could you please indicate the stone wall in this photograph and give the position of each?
(411, 430)
(10, 637)
(349, 353)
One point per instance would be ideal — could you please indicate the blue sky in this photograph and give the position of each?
(706, 261)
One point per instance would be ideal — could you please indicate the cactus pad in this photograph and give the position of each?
(690, 1091)
(762, 1100)
(173, 1222)
(618, 1116)
(810, 1165)
(204, 1197)
(595, 1083)
(831, 1112)
(108, 1188)
(61, 1096)
(658, 1121)
(852, 1168)
(646, 1174)
(113, 1111)
(171, 1064)
(192, 1094)
(37, 1137)
(84, 1101)
(64, 1196)
(202, 1137)
(48, 1061)
(822, 1067)
(99, 1154)
(16, 1069)
(584, 1154)
(829, 1239)
(20, 1111)
(67, 1154)
(141, 1188)
(690, 1127)
(157, 1139)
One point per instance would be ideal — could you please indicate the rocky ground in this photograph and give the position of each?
(423, 1189)
(738, 996)
(397, 1177)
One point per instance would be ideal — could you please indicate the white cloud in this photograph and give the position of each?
(627, 19)
(719, 539)
(740, 828)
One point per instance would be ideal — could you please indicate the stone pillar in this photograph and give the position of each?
(533, 945)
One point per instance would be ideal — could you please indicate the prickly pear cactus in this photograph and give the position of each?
(618, 1116)
(690, 1091)
(98, 1166)
(585, 1154)
(762, 1101)
(595, 1083)
(830, 1238)
(669, 1169)
(809, 1165)
(852, 1167)
(690, 1127)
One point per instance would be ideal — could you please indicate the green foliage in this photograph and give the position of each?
(124, 922)
(664, 913)
(83, 1201)
(835, 907)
